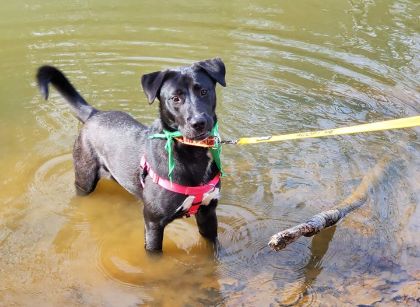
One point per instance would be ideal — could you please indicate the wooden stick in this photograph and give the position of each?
(330, 217)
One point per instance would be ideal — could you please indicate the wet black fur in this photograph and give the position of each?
(111, 143)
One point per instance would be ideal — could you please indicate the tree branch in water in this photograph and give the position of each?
(330, 217)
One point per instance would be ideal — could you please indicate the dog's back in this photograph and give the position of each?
(109, 143)
(116, 141)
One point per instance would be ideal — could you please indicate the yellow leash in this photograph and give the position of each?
(378, 126)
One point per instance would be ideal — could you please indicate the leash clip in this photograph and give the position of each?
(217, 142)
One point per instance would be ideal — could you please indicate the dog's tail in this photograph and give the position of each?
(49, 74)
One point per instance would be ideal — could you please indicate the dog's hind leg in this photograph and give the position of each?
(86, 168)
(207, 221)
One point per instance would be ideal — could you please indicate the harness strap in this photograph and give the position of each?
(196, 191)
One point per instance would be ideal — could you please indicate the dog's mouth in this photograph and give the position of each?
(208, 142)
(204, 139)
(194, 135)
(201, 136)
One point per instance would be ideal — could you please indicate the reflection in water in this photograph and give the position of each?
(319, 246)
(301, 291)
(347, 62)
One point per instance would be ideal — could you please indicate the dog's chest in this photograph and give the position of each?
(206, 199)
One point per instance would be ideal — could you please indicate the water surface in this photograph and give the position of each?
(291, 66)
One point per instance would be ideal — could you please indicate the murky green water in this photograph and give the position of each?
(291, 66)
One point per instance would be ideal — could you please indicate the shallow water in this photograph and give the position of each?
(291, 66)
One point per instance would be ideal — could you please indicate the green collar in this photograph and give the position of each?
(170, 135)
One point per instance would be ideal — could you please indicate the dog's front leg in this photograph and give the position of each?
(153, 236)
(207, 220)
(154, 227)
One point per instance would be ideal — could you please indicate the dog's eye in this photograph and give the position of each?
(203, 92)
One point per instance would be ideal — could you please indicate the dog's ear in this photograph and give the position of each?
(152, 83)
(215, 68)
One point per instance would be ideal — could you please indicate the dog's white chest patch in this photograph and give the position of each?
(207, 198)
(186, 205)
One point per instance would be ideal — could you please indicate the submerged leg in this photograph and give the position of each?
(153, 237)
(207, 221)
(154, 227)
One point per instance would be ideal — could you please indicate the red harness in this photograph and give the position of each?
(197, 191)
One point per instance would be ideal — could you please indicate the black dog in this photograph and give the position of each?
(114, 145)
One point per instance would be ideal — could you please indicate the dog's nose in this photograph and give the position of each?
(198, 123)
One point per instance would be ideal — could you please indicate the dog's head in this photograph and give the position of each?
(187, 96)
